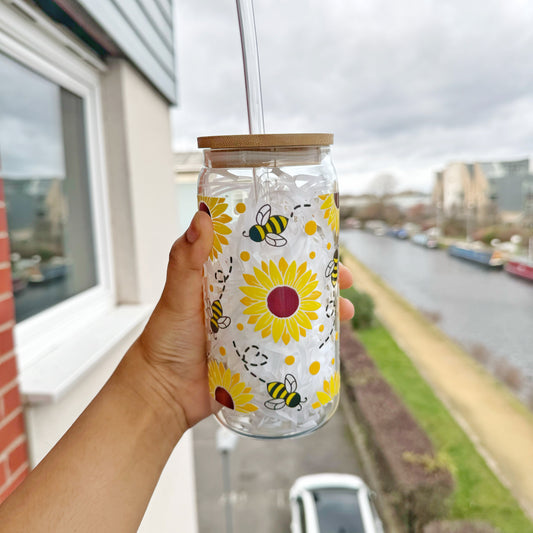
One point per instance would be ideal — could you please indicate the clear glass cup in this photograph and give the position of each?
(270, 283)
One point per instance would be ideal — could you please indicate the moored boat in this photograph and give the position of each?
(423, 239)
(477, 254)
(521, 267)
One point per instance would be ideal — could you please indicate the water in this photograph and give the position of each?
(250, 57)
(476, 305)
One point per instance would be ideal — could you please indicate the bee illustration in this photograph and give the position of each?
(284, 394)
(332, 270)
(218, 321)
(268, 228)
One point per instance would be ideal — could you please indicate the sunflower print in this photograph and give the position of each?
(281, 299)
(330, 205)
(216, 209)
(228, 389)
(331, 389)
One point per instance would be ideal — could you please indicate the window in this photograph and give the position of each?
(338, 510)
(53, 173)
(44, 167)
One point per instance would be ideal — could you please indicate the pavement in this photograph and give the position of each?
(262, 472)
(500, 427)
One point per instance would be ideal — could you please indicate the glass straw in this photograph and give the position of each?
(250, 57)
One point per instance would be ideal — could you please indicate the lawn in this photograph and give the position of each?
(478, 494)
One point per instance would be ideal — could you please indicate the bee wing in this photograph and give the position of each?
(290, 383)
(224, 322)
(275, 240)
(329, 268)
(263, 214)
(275, 404)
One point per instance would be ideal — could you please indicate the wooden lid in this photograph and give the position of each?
(266, 140)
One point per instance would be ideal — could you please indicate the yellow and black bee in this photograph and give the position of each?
(332, 270)
(218, 321)
(268, 228)
(284, 394)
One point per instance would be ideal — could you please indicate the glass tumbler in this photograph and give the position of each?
(270, 283)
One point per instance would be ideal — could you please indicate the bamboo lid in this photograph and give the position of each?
(266, 140)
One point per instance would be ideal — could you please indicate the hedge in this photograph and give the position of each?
(415, 478)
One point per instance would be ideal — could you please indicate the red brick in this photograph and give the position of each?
(6, 284)
(11, 400)
(4, 249)
(7, 309)
(3, 473)
(8, 371)
(14, 484)
(3, 218)
(10, 431)
(6, 341)
(17, 457)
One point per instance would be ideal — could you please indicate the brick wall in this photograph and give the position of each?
(13, 451)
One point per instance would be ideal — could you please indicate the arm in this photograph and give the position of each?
(101, 474)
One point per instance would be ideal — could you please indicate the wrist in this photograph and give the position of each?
(144, 384)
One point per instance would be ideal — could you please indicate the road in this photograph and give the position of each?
(262, 473)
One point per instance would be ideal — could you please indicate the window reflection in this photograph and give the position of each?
(44, 169)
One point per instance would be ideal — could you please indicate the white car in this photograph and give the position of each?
(332, 503)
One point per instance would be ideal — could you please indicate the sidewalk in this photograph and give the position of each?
(500, 427)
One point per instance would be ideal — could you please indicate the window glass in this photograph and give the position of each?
(338, 510)
(45, 174)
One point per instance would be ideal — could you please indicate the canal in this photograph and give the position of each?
(473, 305)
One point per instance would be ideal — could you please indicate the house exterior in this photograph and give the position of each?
(486, 189)
(88, 214)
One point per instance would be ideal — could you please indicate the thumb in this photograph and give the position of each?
(185, 266)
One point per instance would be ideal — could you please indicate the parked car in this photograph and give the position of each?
(333, 503)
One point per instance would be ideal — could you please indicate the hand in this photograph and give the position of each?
(174, 340)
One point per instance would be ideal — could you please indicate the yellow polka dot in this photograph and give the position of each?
(314, 368)
(222, 350)
(333, 361)
(312, 255)
(240, 207)
(240, 327)
(336, 335)
(245, 256)
(310, 227)
(329, 246)
(321, 328)
(211, 288)
(289, 360)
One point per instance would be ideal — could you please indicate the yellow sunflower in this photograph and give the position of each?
(215, 208)
(330, 206)
(281, 299)
(331, 389)
(228, 389)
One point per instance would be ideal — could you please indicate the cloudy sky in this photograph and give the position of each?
(406, 87)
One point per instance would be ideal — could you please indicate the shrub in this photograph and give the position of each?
(407, 462)
(364, 307)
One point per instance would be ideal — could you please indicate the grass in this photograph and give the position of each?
(478, 494)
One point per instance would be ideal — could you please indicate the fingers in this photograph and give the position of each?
(185, 266)
(346, 309)
(345, 277)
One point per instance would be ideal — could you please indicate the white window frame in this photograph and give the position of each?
(41, 46)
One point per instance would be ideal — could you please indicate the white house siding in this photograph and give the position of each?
(143, 30)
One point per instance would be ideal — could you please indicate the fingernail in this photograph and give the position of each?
(192, 232)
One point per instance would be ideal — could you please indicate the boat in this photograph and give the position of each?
(521, 267)
(423, 239)
(477, 253)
